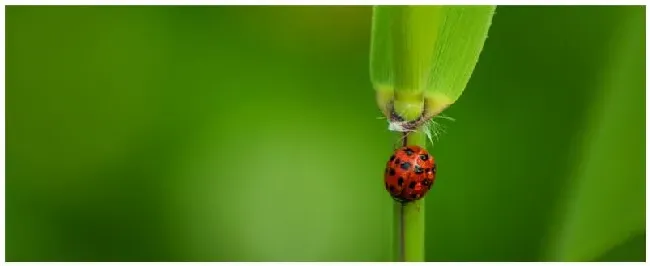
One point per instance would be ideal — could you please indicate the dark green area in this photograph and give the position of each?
(250, 134)
(631, 251)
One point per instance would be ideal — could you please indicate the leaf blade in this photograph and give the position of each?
(426, 51)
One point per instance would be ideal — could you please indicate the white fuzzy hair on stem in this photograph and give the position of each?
(431, 128)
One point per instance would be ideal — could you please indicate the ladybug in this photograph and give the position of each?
(410, 173)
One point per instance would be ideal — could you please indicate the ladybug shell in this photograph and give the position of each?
(410, 173)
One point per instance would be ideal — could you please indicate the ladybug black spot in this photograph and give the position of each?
(412, 185)
(426, 182)
(400, 181)
(418, 170)
(391, 172)
(392, 158)
(397, 161)
(391, 188)
(424, 157)
(408, 151)
(405, 165)
(433, 169)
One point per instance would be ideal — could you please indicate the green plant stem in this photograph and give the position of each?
(409, 219)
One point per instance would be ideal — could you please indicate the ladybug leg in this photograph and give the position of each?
(404, 139)
(401, 141)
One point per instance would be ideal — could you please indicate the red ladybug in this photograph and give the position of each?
(410, 173)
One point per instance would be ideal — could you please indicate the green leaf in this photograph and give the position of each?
(425, 55)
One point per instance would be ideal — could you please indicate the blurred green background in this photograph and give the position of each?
(251, 134)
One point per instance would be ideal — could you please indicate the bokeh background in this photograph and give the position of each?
(251, 134)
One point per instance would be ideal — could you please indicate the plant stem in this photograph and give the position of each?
(408, 219)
